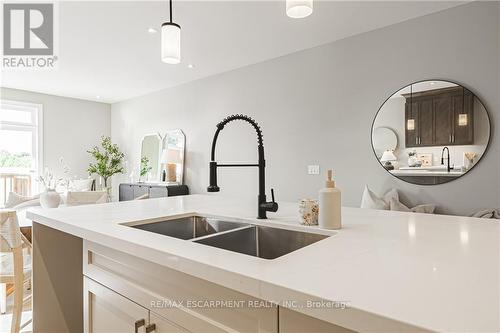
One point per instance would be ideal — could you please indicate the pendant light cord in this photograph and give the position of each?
(170, 5)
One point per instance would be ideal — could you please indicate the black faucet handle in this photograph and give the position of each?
(271, 206)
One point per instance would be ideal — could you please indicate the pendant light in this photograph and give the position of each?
(299, 8)
(170, 41)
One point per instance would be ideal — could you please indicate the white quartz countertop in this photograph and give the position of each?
(396, 271)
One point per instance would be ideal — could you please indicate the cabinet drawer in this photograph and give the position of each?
(157, 288)
(163, 325)
(106, 311)
(294, 322)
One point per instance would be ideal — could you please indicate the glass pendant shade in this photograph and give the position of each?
(410, 124)
(299, 8)
(170, 43)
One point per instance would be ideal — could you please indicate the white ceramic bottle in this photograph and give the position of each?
(330, 205)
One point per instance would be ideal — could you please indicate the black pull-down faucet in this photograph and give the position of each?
(263, 206)
(448, 167)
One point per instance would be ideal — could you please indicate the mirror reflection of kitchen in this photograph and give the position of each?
(431, 132)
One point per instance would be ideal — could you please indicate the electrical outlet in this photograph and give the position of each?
(313, 169)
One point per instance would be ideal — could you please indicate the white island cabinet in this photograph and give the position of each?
(394, 271)
(108, 312)
(133, 289)
(123, 293)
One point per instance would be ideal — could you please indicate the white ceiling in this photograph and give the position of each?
(106, 51)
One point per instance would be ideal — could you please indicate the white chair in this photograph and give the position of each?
(86, 198)
(16, 268)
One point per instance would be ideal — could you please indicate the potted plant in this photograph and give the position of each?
(108, 161)
(145, 168)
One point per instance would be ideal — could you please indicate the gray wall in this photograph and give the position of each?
(317, 106)
(70, 127)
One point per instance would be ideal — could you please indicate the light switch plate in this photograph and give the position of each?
(313, 169)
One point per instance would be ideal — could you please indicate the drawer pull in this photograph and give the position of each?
(151, 328)
(139, 323)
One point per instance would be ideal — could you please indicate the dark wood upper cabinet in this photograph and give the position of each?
(443, 115)
(440, 117)
(426, 120)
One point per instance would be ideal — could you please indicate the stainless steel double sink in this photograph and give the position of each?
(255, 240)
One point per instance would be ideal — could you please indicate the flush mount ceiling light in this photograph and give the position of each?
(299, 8)
(170, 41)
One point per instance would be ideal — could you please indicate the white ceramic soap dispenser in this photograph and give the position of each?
(330, 205)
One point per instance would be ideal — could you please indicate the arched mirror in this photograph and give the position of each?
(150, 157)
(384, 139)
(442, 131)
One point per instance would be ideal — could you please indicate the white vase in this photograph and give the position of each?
(50, 199)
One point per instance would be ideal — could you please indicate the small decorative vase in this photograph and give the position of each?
(50, 199)
(468, 164)
(308, 210)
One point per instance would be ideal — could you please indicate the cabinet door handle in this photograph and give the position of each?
(449, 138)
(151, 328)
(139, 323)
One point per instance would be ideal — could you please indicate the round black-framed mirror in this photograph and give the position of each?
(441, 129)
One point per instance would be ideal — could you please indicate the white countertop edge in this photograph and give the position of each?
(351, 318)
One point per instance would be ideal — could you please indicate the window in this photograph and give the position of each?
(20, 147)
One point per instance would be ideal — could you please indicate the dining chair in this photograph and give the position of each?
(16, 267)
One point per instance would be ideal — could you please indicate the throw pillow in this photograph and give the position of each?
(371, 200)
(398, 206)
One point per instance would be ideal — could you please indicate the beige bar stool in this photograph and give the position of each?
(15, 267)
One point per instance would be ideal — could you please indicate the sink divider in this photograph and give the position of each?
(222, 233)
